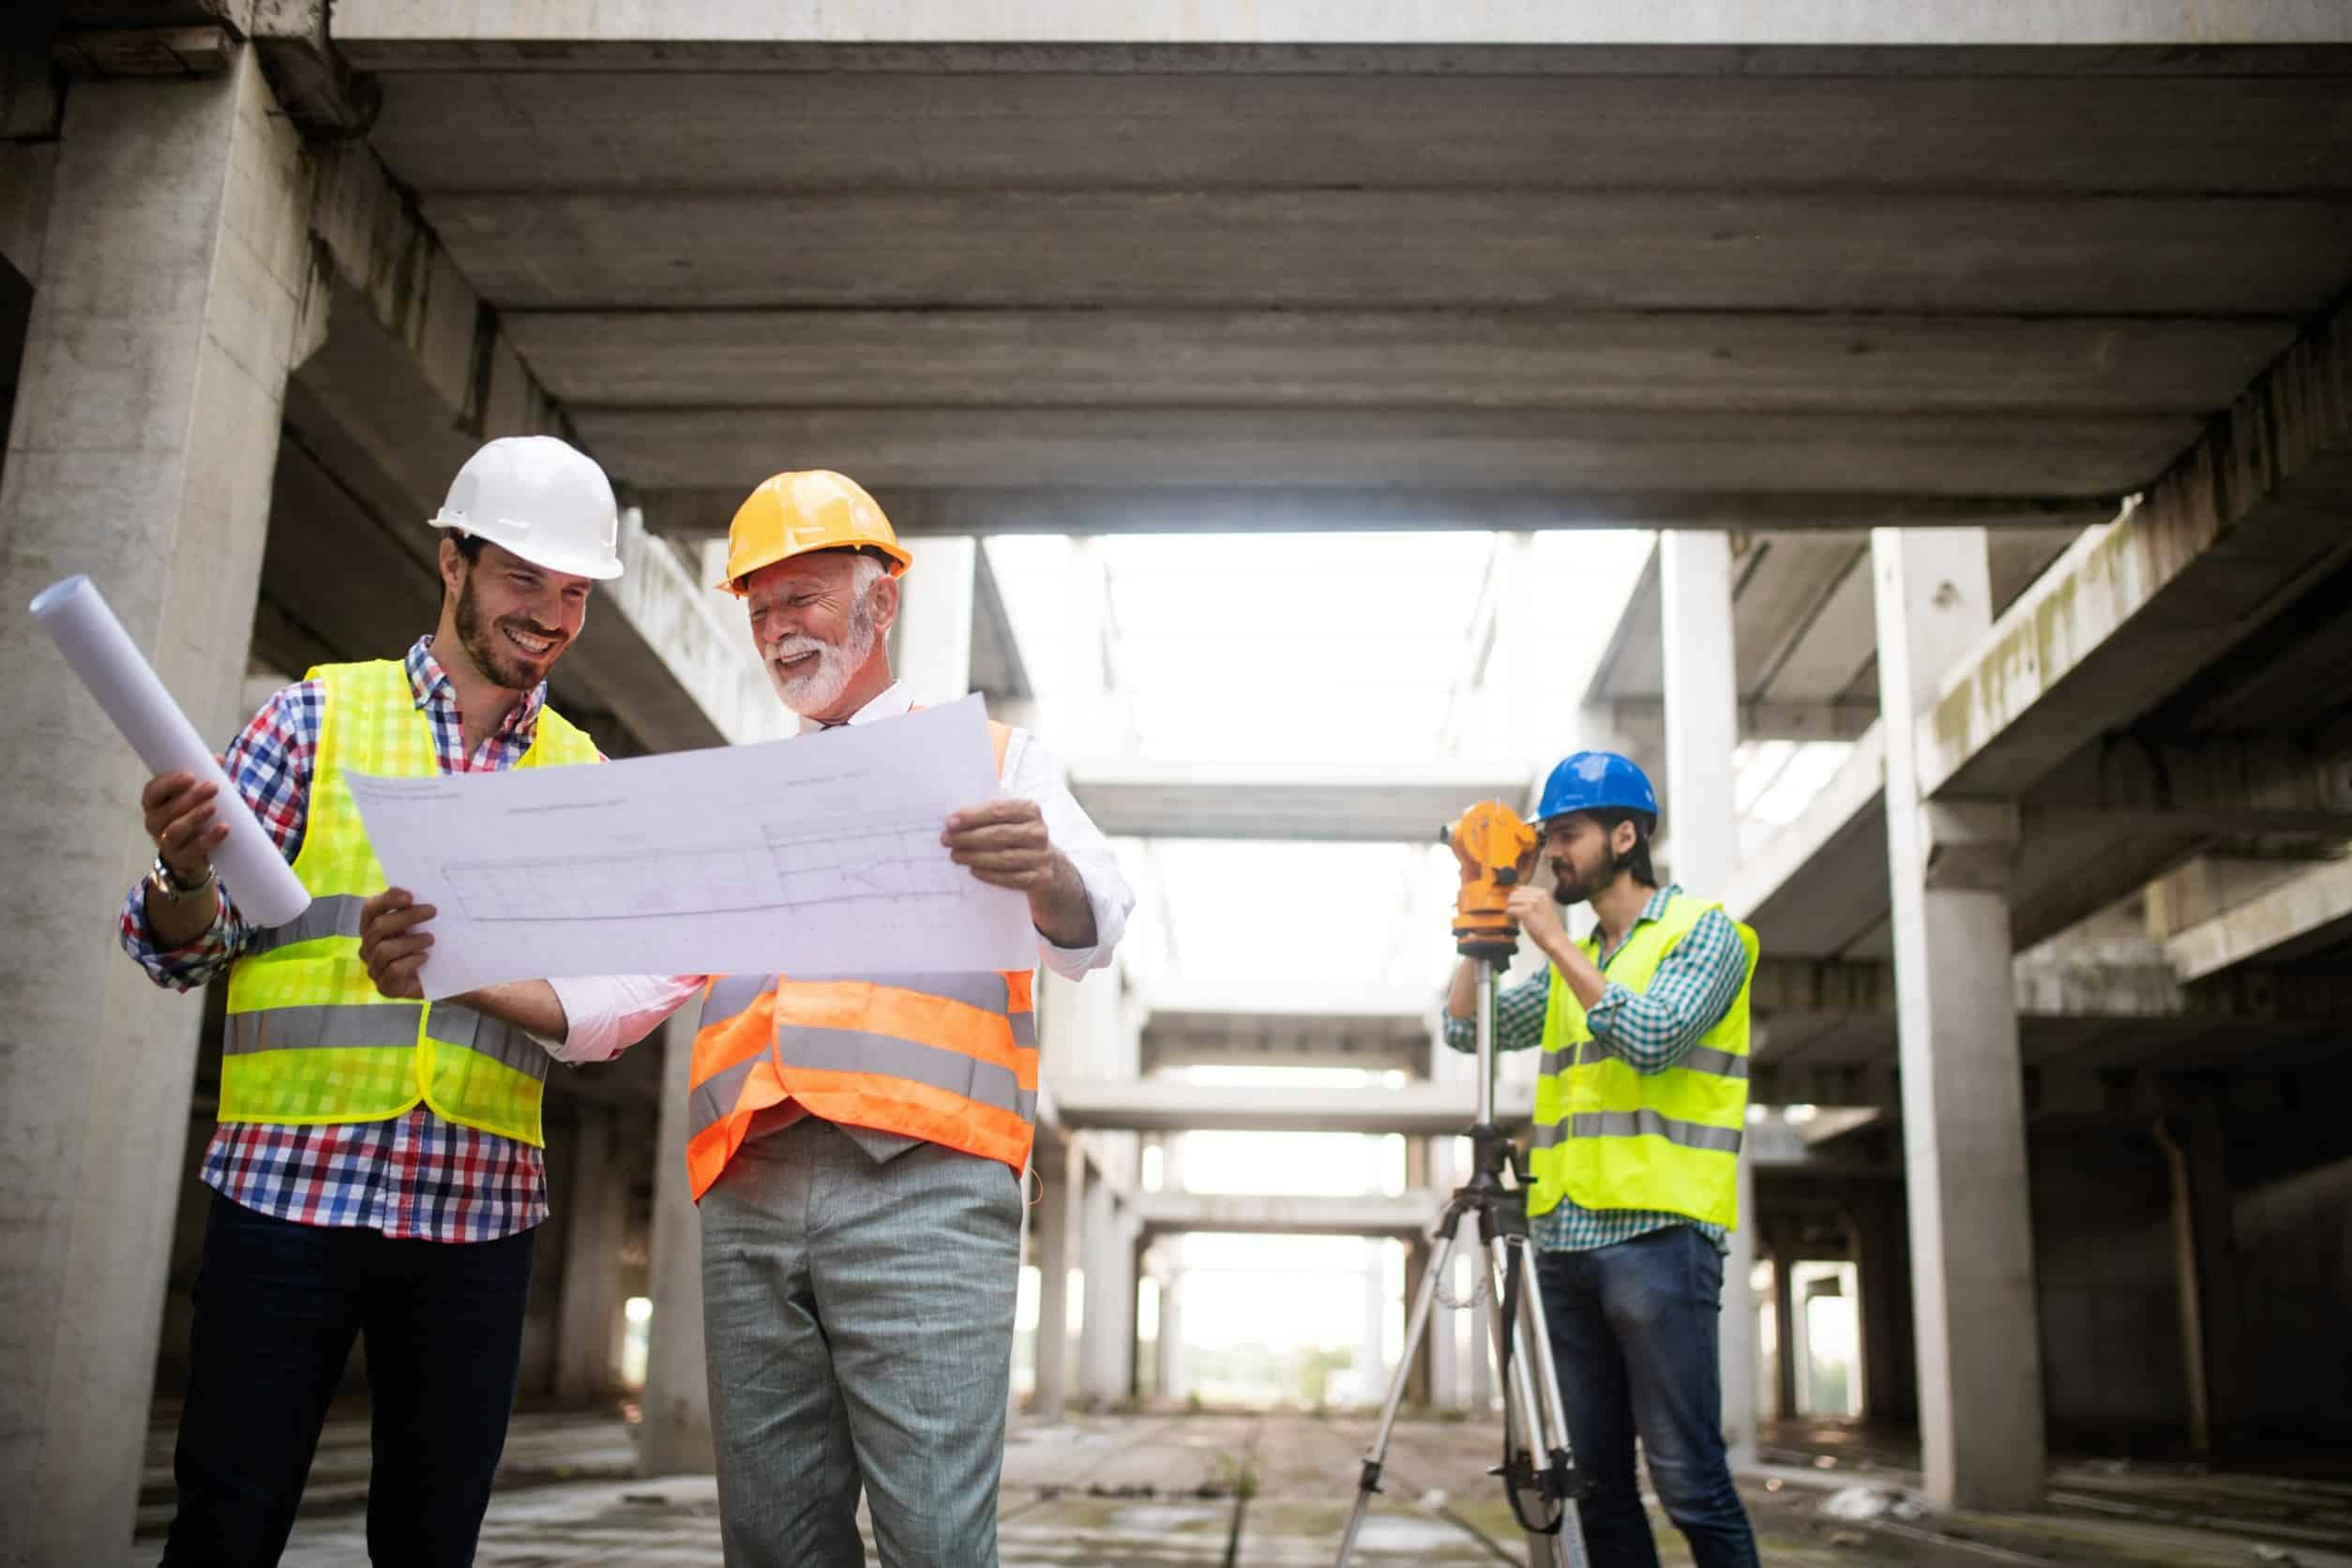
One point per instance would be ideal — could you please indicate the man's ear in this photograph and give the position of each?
(452, 564)
(1623, 836)
(883, 596)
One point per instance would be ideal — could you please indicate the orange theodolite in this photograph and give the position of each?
(1491, 836)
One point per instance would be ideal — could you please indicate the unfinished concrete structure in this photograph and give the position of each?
(1764, 275)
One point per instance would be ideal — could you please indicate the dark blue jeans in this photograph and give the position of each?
(1634, 1330)
(278, 1305)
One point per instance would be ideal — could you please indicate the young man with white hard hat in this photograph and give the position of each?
(856, 1142)
(377, 1170)
(1638, 1119)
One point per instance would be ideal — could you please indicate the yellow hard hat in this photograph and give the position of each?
(798, 513)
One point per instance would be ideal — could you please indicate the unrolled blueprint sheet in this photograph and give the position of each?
(817, 855)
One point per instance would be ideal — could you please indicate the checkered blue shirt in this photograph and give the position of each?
(413, 1176)
(1652, 1029)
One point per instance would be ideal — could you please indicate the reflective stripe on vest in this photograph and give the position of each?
(309, 1038)
(950, 1058)
(1608, 1136)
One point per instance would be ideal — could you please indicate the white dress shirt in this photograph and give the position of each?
(607, 1014)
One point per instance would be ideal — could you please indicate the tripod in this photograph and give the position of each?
(1515, 1320)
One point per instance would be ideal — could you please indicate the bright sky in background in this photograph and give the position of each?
(1343, 650)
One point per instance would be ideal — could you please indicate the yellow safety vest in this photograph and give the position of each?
(309, 1038)
(1611, 1137)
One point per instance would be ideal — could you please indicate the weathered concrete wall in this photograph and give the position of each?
(2293, 1220)
(2111, 1357)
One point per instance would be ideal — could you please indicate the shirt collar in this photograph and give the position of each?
(431, 683)
(1654, 908)
(892, 702)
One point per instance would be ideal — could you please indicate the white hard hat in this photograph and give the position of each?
(541, 498)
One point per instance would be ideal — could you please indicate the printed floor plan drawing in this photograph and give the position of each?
(799, 854)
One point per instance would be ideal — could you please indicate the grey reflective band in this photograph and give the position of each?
(336, 914)
(382, 1026)
(850, 1051)
(1024, 1030)
(714, 1098)
(325, 1027)
(500, 1041)
(1641, 1124)
(730, 994)
(1698, 1059)
(1707, 1059)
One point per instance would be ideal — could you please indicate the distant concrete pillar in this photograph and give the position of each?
(1169, 1381)
(595, 1214)
(1107, 1344)
(1702, 725)
(1060, 1223)
(674, 1438)
(1964, 1125)
(1785, 1335)
(932, 651)
(1889, 1385)
(1445, 1361)
(167, 310)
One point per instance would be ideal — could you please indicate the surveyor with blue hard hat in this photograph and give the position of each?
(1638, 1116)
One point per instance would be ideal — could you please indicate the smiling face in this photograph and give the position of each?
(513, 619)
(818, 621)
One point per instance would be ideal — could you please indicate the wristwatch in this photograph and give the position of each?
(163, 882)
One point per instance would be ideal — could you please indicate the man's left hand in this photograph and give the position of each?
(1538, 915)
(1005, 843)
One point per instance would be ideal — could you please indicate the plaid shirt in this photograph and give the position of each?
(1652, 1029)
(414, 1176)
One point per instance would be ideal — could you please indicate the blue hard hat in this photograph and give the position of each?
(1596, 781)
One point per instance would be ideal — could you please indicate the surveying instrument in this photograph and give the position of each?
(1538, 1471)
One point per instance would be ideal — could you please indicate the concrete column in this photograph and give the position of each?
(168, 307)
(1964, 1127)
(1445, 1361)
(675, 1437)
(1170, 1379)
(1785, 1335)
(1889, 1385)
(932, 641)
(1106, 1346)
(1061, 1221)
(595, 1215)
(2205, 1139)
(1702, 725)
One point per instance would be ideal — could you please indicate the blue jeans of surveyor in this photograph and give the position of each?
(1635, 1329)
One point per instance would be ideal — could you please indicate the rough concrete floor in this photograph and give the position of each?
(1112, 1491)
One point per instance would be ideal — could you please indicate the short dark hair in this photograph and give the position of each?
(469, 545)
(1645, 825)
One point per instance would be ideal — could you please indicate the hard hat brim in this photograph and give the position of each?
(899, 560)
(597, 569)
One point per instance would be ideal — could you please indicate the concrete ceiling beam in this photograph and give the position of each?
(2310, 910)
(1177, 799)
(2222, 542)
(702, 511)
(1668, 359)
(2087, 458)
(1738, 249)
(1940, 27)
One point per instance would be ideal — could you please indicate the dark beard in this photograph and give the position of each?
(502, 664)
(1603, 877)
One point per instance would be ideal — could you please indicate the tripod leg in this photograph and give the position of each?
(1377, 1456)
(1522, 1404)
(1548, 1414)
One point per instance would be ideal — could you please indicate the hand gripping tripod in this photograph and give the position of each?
(1491, 836)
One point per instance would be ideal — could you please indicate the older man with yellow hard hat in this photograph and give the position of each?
(856, 1142)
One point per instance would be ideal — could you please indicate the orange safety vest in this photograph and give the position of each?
(948, 1058)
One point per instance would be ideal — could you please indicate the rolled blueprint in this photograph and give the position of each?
(77, 619)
